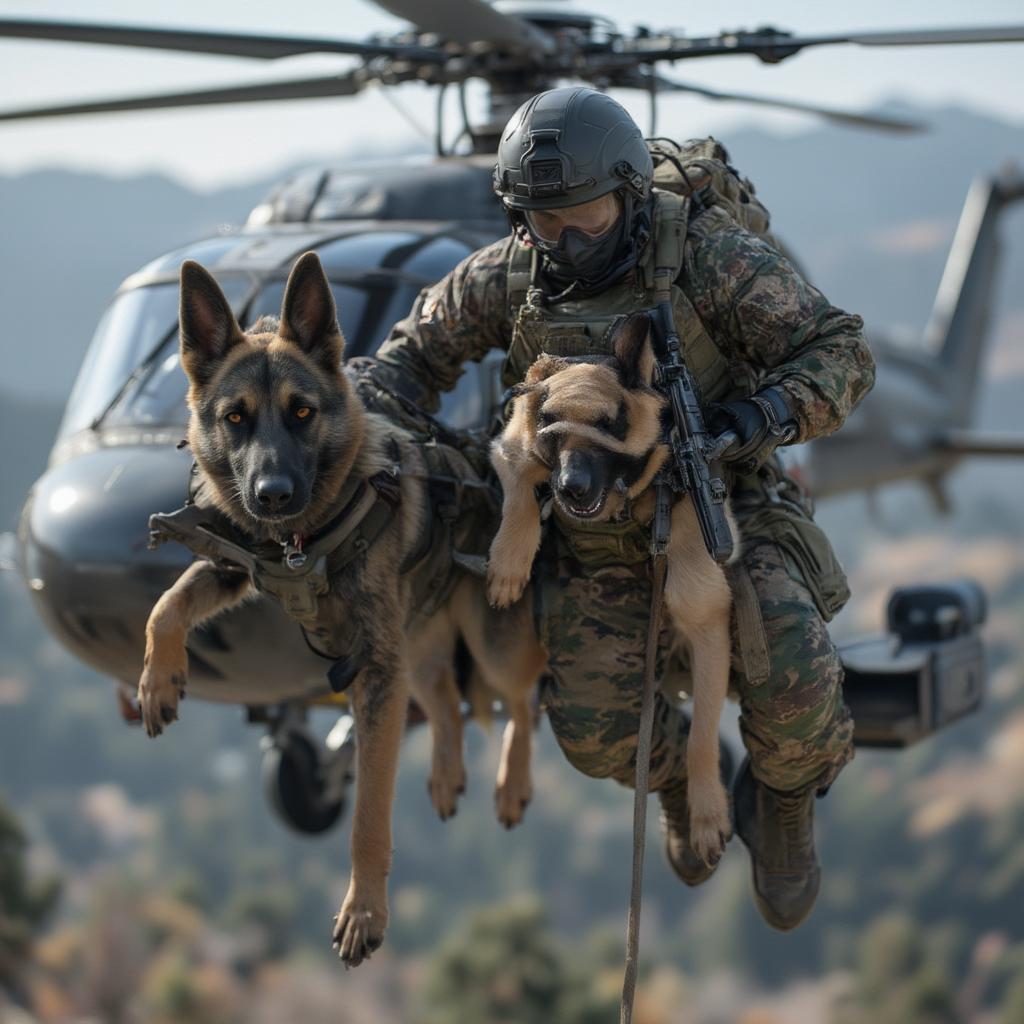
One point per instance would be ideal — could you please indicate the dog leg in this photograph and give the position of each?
(514, 789)
(380, 699)
(201, 591)
(510, 660)
(437, 694)
(432, 681)
(515, 545)
(698, 600)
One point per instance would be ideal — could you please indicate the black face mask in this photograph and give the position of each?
(590, 263)
(584, 256)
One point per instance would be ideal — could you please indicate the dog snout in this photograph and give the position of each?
(575, 478)
(273, 493)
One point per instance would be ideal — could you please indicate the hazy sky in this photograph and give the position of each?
(213, 146)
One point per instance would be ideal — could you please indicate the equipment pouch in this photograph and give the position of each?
(595, 545)
(771, 505)
(808, 554)
(568, 339)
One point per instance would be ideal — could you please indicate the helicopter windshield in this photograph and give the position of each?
(134, 338)
(132, 374)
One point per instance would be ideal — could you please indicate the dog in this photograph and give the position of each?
(593, 429)
(277, 431)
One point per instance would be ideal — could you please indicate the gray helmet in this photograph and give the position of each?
(568, 146)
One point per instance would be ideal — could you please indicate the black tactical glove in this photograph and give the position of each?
(757, 425)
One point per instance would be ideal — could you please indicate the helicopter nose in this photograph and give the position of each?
(274, 492)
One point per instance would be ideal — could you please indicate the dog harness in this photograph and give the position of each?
(298, 572)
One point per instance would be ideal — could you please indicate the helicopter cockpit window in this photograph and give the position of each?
(127, 369)
(130, 328)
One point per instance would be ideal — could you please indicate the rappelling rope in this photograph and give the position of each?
(659, 540)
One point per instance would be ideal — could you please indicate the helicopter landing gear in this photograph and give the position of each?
(304, 781)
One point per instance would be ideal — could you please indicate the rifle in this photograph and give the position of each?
(695, 454)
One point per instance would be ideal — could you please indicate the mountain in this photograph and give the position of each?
(69, 240)
(870, 215)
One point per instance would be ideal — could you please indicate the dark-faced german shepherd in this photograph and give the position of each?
(277, 432)
(593, 429)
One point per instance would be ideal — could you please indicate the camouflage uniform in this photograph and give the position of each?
(774, 329)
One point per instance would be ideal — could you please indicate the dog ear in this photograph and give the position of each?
(631, 344)
(308, 315)
(544, 366)
(208, 327)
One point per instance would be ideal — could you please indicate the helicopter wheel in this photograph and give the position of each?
(295, 783)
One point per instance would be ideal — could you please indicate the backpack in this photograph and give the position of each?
(701, 167)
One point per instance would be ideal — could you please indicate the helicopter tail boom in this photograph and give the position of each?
(959, 322)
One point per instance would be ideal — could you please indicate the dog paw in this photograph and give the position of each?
(504, 589)
(161, 687)
(511, 798)
(710, 824)
(359, 929)
(445, 788)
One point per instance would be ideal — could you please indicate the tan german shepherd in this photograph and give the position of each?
(593, 428)
(277, 431)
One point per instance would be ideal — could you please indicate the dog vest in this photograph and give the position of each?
(461, 509)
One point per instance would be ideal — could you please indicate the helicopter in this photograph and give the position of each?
(83, 532)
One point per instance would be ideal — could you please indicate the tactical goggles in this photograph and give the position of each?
(594, 218)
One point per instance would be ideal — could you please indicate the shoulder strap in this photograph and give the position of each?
(671, 217)
(522, 263)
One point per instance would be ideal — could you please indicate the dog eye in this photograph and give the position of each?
(303, 412)
(547, 418)
(234, 418)
(604, 424)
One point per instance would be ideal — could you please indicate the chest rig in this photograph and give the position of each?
(584, 326)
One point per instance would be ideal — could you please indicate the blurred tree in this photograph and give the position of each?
(902, 978)
(1013, 1002)
(24, 906)
(504, 967)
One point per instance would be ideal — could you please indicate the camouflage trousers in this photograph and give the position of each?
(786, 671)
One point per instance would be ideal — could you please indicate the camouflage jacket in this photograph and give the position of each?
(753, 303)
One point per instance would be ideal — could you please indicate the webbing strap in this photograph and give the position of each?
(521, 272)
(672, 218)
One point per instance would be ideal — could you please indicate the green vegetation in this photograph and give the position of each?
(25, 905)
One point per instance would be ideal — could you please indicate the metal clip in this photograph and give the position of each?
(294, 557)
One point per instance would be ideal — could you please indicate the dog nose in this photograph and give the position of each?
(274, 492)
(575, 480)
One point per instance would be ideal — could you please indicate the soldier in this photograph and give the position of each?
(767, 348)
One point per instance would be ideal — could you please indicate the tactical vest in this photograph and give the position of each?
(584, 326)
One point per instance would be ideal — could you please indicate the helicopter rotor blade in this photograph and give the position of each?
(229, 44)
(296, 89)
(845, 117)
(470, 21)
(772, 45)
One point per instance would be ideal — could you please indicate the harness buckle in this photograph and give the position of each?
(294, 557)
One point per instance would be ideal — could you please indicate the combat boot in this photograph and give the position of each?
(778, 830)
(675, 817)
